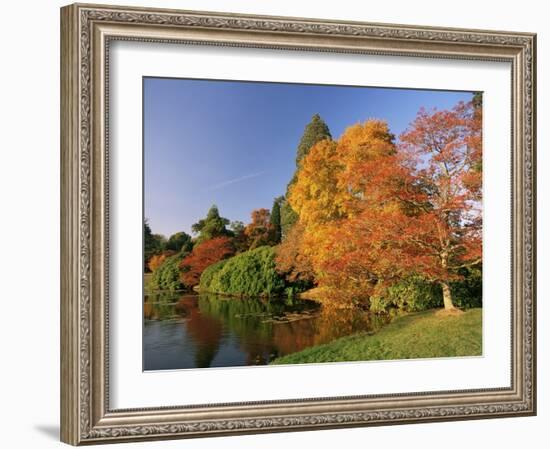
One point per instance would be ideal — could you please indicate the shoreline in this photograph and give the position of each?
(424, 334)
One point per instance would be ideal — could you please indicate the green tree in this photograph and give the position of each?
(275, 219)
(161, 242)
(180, 241)
(477, 100)
(212, 226)
(151, 244)
(240, 240)
(237, 226)
(315, 131)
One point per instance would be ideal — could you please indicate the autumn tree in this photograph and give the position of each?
(203, 255)
(288, 218)
(155, 261)
(291, 260)
(212, 226)
(152, 244)
(316, 195)
(444, 147)
(158, 259)
(336, 180)
(315, 131)
(260, 231)
(375, 213)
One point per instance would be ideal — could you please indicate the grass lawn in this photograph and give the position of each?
(416, 335)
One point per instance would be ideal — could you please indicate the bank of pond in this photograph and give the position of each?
(427, 334)
(186, 330)
(244, 312)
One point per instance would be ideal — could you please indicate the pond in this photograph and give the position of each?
(183, 330)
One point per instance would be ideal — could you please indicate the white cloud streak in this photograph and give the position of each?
(234, 181)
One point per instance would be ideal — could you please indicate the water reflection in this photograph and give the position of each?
(200, 331)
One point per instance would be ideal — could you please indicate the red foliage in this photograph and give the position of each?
(291, 260)
(202, 256)
(408, 209)
(260, 231)
(445, 148)
(422, 213)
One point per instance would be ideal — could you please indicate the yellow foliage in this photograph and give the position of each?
(314, 195)
(330, 188)
(366, 141)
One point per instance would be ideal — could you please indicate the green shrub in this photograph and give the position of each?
(467, 293)
(411, 294)
(252, 273)
(167, 276)
(208, 275)
(415, 293)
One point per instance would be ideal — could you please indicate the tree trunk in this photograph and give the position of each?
(447, 298)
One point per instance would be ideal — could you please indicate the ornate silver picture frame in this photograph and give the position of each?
(87, 32)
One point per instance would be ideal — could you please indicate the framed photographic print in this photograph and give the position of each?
(279, 224)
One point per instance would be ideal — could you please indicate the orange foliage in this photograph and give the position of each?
(374, 212)
(449, 222)
(157, 259)
(260, 231)
(336, 181)
(202, 256)
(290, 260)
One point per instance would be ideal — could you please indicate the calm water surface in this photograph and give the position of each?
(201, 331)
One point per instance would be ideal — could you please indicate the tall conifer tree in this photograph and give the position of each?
(315, 131)
(275, 218)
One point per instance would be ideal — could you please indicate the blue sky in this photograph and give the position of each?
(233, 143)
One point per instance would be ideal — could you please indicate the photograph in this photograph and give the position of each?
(288, 223)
